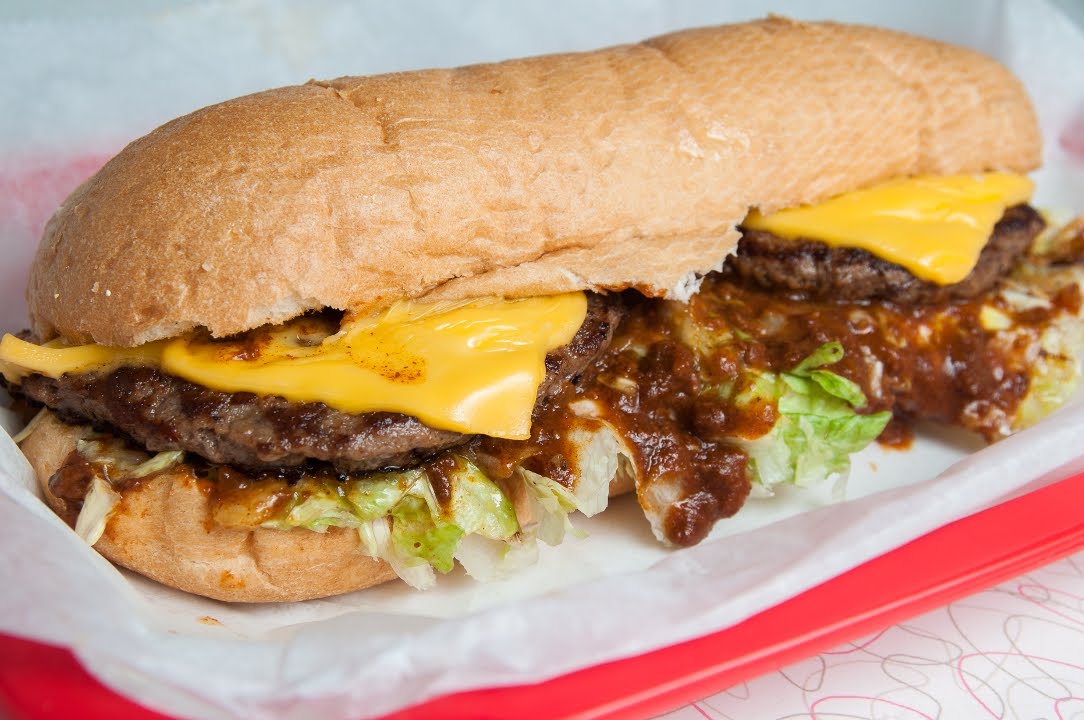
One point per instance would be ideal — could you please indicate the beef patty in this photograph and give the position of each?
(812, 270)
(164, 412)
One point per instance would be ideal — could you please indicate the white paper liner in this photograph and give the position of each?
(373, 651)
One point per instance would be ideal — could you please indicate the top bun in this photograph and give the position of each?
(625, 167)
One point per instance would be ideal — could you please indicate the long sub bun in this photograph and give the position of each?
(625, 167)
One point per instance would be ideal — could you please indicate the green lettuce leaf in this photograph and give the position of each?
(818, 428)
(380, 492)
(827, 354)
(478, 506)
(401, 522)
(377, 541)
(416, 532)
(550, 504)
(317, 505)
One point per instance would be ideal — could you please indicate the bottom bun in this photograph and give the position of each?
(162, 528)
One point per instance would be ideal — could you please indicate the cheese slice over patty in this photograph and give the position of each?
(469, 367)
(935, 226)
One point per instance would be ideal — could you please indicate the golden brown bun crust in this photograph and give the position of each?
(623, 167)
(163, 529)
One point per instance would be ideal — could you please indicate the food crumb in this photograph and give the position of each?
(206, 267)
(208, 620)
(873, 466)
(229, 581)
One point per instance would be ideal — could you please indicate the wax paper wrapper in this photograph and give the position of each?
(83, 82)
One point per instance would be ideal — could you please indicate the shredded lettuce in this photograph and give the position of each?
(161, 461)
(549, 503)
(1055, 372)
(400, 520)
(98, 505)
(478, 506)
(319, 503)
(121, 459)
(818, 426)
(29, 428)
(598, 452)
(380, 492)
(488, 560)
(1055, 366)
(597, 455)
(1053, 265)
(376, 539)
(417, 532)
(119, 463)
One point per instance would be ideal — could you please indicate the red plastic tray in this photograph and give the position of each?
(39, 682)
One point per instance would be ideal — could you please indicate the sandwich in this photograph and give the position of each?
(316, 338)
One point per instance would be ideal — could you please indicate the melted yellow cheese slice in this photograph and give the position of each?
(933, 226)
(469, 367)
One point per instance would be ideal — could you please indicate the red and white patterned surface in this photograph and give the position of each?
(1013, 652)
